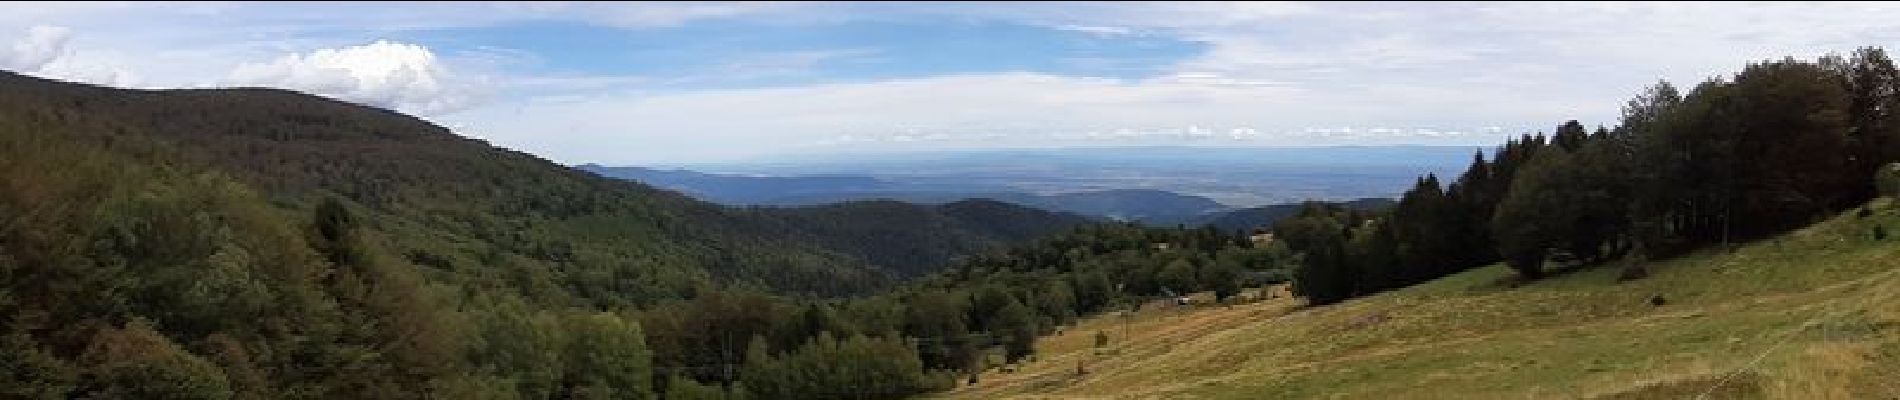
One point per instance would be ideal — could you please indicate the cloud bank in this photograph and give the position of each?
(388, 74)
(1258, 73)
(40, 47)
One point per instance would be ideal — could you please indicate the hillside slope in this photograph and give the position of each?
(1246, 219)
(1813, 314)
(469, 212)
(1158, 207)
(914, 240)
(218, 244)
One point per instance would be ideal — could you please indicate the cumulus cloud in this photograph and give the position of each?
(387, 74)
(46, 51)
(40, 47)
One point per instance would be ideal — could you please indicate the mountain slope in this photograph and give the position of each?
(467, 208)
(1814, 313)
(918, 239)
(1144, 205)
(217, 244)
(1256, 217)
(1007, 221)
(1147, 205)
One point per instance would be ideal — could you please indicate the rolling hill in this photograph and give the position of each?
(457, 206)
(929, 234)
(1257, 217)
(740, 190)
(1811, 314)
(250, 243)
(1234, 175)
(1150, 206)
(1145, 205)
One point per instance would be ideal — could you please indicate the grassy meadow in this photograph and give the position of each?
(1812, 314)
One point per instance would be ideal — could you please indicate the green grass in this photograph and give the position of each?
(1812, 314)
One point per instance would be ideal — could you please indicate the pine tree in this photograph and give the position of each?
(1533, 218)
(1317, 234)
(1873, 109)
(1569, 136)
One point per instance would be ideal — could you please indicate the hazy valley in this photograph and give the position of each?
(1160, 186)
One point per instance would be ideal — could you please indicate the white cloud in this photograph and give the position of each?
(40, 47)
(1468, 71)
(46, 51)
(1097, 30)
(1214, 79)
(395, 75)
(971, 111)
(783, 64)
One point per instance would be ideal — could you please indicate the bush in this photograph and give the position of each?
(1633, 272)
(138, 362)
(681, 388)
(1887, 180)
(1880, 233)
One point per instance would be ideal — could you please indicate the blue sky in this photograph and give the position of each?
(660, 83)
(866, 50)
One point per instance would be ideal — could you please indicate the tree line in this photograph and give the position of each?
(1774, 147)
(940, 330)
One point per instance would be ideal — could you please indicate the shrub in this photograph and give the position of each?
(1887, 180)
(1880, 233)
(138, 362)
(1633, 272)
(682, 388)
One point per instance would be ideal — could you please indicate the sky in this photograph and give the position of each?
(683, 83)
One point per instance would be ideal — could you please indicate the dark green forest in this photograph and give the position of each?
(257, 243)
(264, 244)
(1777, 146)
(343, 251)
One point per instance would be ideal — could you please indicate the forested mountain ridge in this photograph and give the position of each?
(295, 147)
(1158, 207)
(894, 230)
(256, 243)
(1247, 219)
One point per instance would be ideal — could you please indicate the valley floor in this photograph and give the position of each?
(1813, 314)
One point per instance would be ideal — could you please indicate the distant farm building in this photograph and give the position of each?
(1261, 238)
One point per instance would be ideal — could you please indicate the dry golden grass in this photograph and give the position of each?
(1814, 314)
